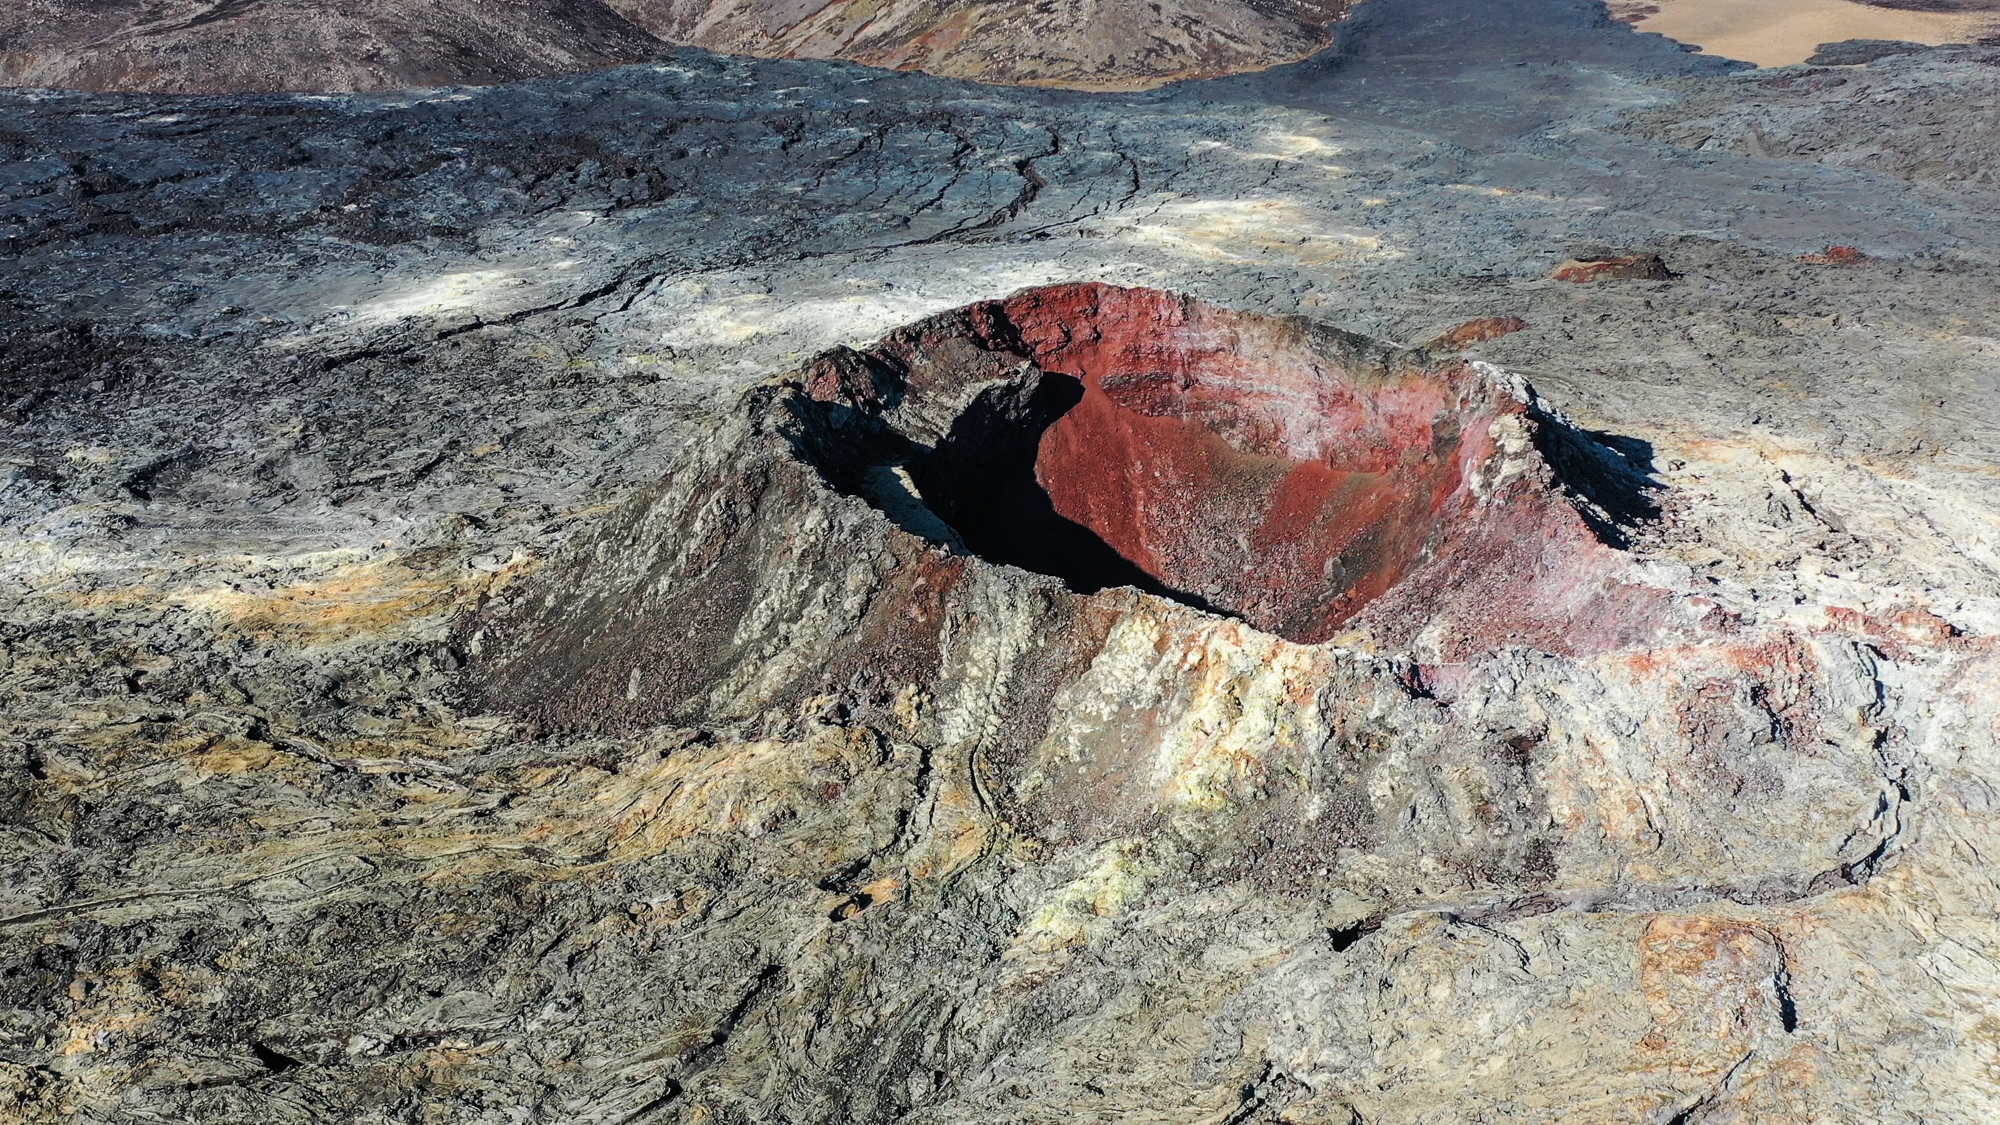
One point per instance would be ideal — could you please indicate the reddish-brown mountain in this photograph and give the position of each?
(1081, 44)
(218, 46)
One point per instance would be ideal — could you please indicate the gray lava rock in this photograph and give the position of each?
(300, 390)
(1860, 52)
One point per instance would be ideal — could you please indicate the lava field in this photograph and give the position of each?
(1225, 563)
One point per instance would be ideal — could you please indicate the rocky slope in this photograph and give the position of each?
(1840, 116)
(222, 46)
(504, 616)
(1110, 45)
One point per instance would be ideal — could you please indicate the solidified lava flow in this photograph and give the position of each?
(1272, 469)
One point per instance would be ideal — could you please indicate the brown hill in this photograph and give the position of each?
(212, 46)
(205, 46)
(1081, 44)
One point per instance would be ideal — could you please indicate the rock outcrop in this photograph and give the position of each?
(1613, 267)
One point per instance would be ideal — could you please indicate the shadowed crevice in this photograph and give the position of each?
(981, 481)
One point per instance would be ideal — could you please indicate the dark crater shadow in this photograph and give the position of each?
(1611, 476)
(976, 490)
(981, 481)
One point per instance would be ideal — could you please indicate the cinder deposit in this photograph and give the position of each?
(1787, 32)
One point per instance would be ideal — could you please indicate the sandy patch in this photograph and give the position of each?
(1247, 230)
(1783, 32)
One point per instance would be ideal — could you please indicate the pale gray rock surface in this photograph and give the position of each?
(296, 387)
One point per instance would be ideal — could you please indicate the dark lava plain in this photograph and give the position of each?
(294, 389)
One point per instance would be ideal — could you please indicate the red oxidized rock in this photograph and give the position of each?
(1477, 332)
(1630, 267)
(1274, 469)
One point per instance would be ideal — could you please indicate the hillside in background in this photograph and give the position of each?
(344, 46)
(1079, 44)
(320, 46)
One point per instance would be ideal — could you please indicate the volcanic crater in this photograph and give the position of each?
(1272, 469)
(1314, 484)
